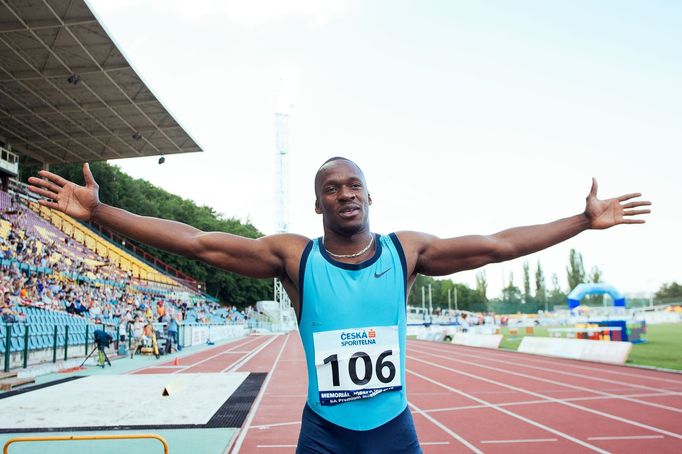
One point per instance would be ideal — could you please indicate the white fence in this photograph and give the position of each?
(196, 334)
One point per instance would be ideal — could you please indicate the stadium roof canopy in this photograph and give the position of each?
(67, 94)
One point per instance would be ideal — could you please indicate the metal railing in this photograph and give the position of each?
(47, 341)
(11, 441)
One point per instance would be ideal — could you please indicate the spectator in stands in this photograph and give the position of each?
(138, 328)
(173, 328)
(7, 313)
(147, 334)
(80, 308)
(160, 310)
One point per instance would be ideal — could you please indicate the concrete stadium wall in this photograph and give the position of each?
(581, 349)
(478, 340)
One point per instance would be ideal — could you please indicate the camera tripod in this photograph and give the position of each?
(102, 357)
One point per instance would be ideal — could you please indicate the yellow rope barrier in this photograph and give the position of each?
(86, 437)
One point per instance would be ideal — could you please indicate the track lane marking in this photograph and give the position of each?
(569, 404)
(277, 424)
(559, 383)
(256, 403)
(246, 358)
(215, 356)
(229, 343)
(445, 429)
(628, 437)
(540, 360)
(182, 367)
(557, 371)
(507, 412)
(527, 402)
(529, 440)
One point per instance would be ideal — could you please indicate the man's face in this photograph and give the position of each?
(342, 197)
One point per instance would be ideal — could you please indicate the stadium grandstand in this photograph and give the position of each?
(67, 94)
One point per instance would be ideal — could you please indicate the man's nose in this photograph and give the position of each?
(346, 193)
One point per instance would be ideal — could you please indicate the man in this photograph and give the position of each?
(348, 289)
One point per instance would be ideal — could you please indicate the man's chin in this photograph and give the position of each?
(350, 229)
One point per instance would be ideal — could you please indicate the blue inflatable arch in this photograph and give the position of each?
(583, 290)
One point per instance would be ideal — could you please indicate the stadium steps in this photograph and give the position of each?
(9, 380)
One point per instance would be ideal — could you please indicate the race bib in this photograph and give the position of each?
(357, 363)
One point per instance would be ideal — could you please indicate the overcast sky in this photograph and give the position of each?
(466, 116)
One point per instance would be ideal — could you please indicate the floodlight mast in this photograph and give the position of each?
(282, 169)
(281, 199)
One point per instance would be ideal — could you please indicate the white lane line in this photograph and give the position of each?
(559, 371)
(279, 424)
(542, 396)
(445, 428)
(248, 356)
(505, 411)
(229, 342)
(539, 360)
(211, 357)
(529, 440)
(533, 402)
(631, 437)
(558, 383)
(433, 443)
(256, 403)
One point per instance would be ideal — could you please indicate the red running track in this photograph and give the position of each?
(467, 399)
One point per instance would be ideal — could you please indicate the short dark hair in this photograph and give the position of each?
(335, 158)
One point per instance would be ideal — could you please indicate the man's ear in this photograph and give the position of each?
(317, 207)
(369, 199)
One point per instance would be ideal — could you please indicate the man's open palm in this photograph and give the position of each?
(65, 196)
(607, 213)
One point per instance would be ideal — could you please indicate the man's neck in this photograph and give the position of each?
(349, 245)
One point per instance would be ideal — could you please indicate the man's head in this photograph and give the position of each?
(341, 196)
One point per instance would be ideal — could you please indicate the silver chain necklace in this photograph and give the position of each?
(349, 256)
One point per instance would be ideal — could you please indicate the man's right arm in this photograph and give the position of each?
(262, 258)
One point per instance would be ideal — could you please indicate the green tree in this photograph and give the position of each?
(482, 285)
(467, 298)
(575, 270)
(511, 293)
(527, 297)
(540, 287)
(671, 290)
(556, 296)
(595, 277)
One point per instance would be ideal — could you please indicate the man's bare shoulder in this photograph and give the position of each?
(286, 243)
(414, 240)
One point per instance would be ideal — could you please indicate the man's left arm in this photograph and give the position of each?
(434, 256)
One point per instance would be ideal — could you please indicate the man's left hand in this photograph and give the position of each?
(603, 214)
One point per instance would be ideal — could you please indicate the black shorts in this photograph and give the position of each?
(321, 436)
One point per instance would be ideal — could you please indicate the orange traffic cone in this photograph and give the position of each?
(176, 361)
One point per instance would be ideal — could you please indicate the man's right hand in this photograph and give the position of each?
(60, 194)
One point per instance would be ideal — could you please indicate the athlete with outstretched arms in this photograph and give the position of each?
(348, 288)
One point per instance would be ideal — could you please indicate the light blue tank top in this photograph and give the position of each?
(352, 321)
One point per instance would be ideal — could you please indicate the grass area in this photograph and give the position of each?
(664, 348)
(512, 341)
